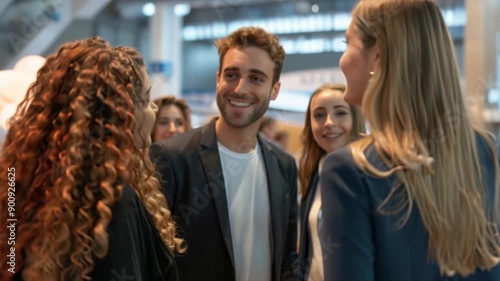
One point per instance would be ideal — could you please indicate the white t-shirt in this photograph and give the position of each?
(249, 213)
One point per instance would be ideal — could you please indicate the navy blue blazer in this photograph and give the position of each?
(362, 244)
(191, 178)
(305, 238)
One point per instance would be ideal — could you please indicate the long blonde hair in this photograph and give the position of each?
(72, 148)
(420, 127)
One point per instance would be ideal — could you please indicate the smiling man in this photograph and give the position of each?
(233, 193)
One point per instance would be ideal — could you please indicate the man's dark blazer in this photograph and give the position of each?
(191, 177)
(363, 244)
(306, 202)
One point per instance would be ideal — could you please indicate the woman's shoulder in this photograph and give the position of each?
(339, 159)
(343, 157)
(340, 163)
(128, 203)
(129, 196)
(130, 212)
(486, 141)
(135, 246)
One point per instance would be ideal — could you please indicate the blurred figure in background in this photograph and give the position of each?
(282, 138)
(173, 118)
(268, 128)
(330, 124)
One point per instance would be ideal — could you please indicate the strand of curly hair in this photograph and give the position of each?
(150, 193)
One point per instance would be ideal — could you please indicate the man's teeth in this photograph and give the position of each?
(239, 103)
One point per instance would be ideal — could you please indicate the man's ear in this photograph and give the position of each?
(217, 76)
(275, 90)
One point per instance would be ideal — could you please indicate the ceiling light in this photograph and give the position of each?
(149, 9)
(181, 10)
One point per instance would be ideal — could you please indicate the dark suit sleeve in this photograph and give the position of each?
(161, 159)
(289, 267)
(346, 235)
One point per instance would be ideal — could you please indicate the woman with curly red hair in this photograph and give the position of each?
(87, 204)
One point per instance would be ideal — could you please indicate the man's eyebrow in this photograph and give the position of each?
(253, 70)
(258, 71)
(231, 69)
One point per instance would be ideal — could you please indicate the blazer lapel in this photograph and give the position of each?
(306, 204)
(279, 204)
(308, 199)
(210, 159)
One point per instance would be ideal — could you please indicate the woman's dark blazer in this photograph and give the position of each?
(361, 243)
(305, 238)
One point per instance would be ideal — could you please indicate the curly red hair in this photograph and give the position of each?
(72, 146)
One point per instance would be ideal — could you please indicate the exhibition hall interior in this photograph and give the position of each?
(177, 38)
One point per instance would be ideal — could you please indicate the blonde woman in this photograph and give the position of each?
(417, 199)
(87, 205)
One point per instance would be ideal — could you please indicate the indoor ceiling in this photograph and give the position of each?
(25, 17)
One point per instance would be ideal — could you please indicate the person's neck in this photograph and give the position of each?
(240, 140)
